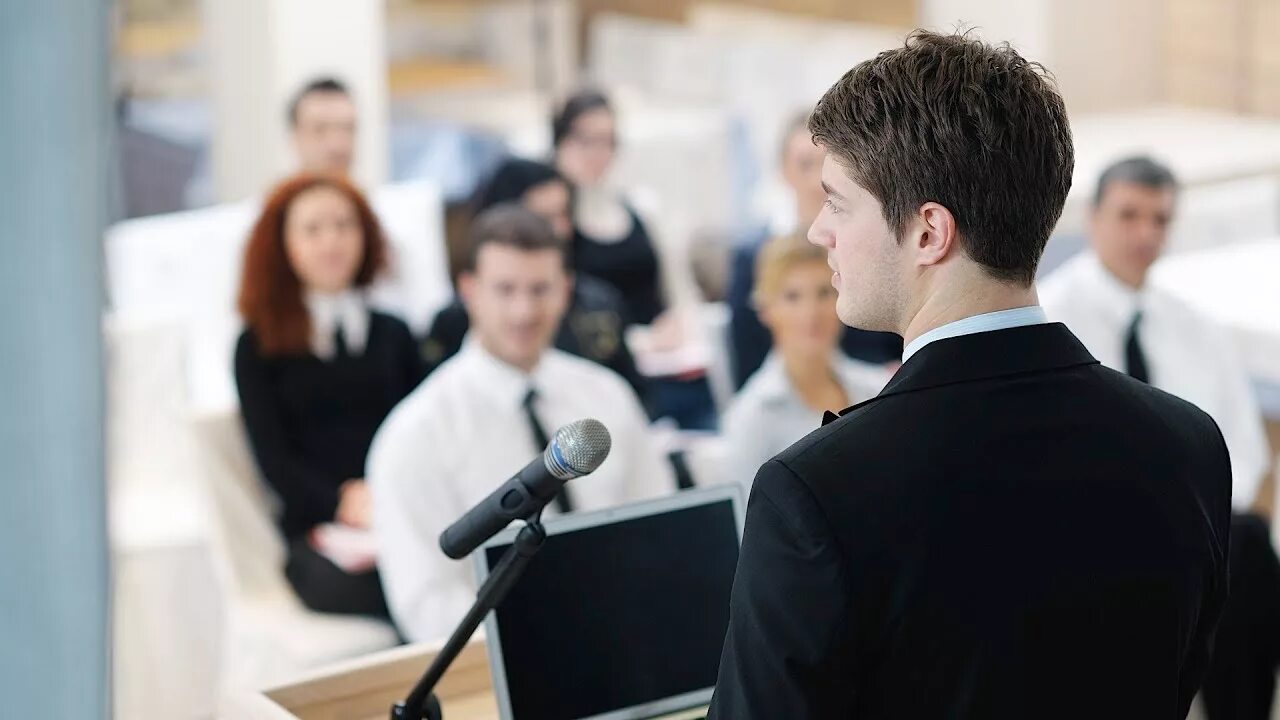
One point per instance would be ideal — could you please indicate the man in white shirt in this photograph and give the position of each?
(486, 412)
(1103, 297)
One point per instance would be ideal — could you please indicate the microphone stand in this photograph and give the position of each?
(421, 703)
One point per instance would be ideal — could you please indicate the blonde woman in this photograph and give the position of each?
(804, 373)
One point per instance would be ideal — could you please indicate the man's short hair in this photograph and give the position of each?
(511, 225)
(953, 120)
(1139, 170)
(318, 85)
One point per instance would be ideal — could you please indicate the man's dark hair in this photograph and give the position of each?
(511, 225)
(319, 85)
(1139, 170)
(974, 127)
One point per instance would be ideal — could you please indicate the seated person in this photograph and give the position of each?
(805, 373)
(489, 410)
(1103, 296)
(610, 240)
(592, 326)
(317, 371)
(802, 172)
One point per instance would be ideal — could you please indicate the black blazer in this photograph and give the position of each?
(1009, 530)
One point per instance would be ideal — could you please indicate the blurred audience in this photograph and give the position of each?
(750, 340)
(317, 372)
(1104, 298)
(322, 126)
(805, 374)
(487, 411)
(592, 327)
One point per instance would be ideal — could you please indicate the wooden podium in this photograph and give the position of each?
(366, 687)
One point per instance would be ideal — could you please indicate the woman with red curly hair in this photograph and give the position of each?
(317, 371)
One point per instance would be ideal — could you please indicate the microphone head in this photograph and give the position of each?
(577, 449)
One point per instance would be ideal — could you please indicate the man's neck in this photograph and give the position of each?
(958, 303)
(524, 366)
(1130, 283)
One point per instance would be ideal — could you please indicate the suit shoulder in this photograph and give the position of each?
(1189, 426)
(860, 433)
(791, 499)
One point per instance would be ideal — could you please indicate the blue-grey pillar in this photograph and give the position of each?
(55, 140)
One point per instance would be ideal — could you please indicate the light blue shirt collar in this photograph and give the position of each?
(986, 322)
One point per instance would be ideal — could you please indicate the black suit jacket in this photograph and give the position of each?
(1009, 530)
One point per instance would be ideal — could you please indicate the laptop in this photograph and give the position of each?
(622, 614)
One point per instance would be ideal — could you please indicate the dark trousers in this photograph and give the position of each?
(325, 587)
(1246, 654)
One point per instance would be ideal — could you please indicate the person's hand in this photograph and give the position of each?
(666, 332)
(354, 506)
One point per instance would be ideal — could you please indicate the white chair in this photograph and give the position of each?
(199, 602)
(270, 635)
(166, 607)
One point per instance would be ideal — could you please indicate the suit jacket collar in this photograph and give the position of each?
(984, 356)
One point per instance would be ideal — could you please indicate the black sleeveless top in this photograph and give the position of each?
(629, 265)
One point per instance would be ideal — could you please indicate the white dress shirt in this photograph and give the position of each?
(464, 432)
(1186, 355)
(767, 416)
(986, 322)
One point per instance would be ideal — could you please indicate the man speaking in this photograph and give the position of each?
(1009, 530)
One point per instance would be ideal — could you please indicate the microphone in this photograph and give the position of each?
(577, 449)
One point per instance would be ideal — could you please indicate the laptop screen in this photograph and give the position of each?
(620, 614)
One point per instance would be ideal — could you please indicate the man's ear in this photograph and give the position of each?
(933, 234)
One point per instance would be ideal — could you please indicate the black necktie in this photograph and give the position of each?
(1135, 362)
(563, 503)
(339, 343)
